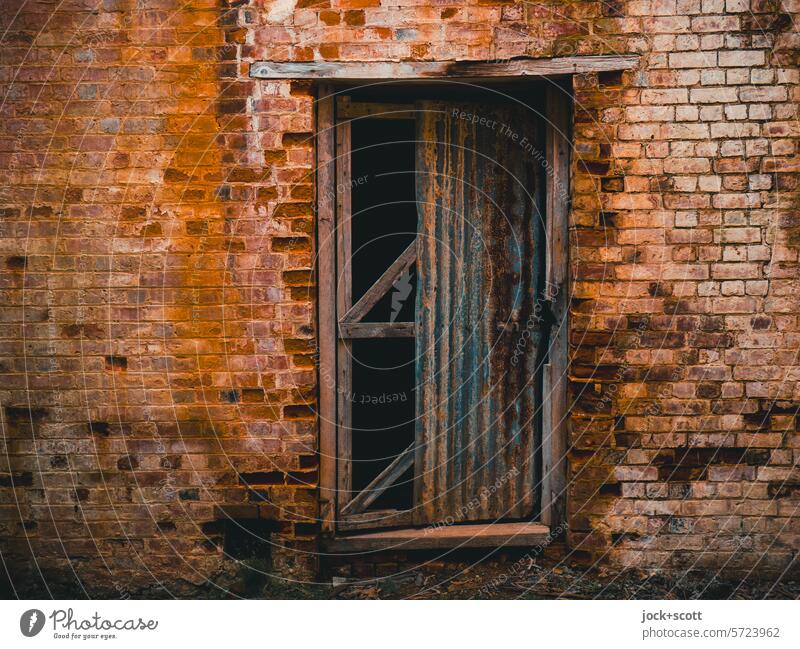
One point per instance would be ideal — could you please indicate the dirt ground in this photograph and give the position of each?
(538, 582)
(537, 579)
(503, 578)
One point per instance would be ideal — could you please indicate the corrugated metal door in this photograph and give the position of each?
(480, 270)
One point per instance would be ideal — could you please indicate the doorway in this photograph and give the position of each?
(440, 254)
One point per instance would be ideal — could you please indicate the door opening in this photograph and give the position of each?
(438, 240)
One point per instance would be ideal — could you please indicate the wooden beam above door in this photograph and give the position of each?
(414, 70)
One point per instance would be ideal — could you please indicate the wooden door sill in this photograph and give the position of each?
(474, 535)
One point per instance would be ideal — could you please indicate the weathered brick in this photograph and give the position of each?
(693, 60)
(777, 93)
(713, 95)
(715, 24)
(741, 58)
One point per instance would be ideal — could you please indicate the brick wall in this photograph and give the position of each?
(157, 341)
(157, 323)
(685, 329)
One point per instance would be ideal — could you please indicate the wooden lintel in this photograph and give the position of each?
(376, 330)
(411, 70)
(477, 535)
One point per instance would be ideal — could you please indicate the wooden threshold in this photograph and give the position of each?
(413, 70)
(475, 535)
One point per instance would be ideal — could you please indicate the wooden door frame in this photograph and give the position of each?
(329, 139)
(558, 199)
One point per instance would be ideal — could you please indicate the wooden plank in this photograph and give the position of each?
(476, 535)
(382, 285)
(554, 447)
(342, 106)
(344, 301)
(347, 109)
(348, 330)
(357, 70)
(382, 482)
(375, 519)
(545, 510)
(326, 313)
(476, 398)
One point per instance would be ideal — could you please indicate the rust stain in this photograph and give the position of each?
(479, 333)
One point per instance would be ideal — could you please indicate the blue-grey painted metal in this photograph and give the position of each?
(479, 321)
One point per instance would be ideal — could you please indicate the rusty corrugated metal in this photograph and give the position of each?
(479, 274)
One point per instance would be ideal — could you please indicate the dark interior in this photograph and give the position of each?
(384, 224)
(383, 206)
(383, 414)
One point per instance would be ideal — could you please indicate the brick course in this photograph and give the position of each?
(158, 338)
